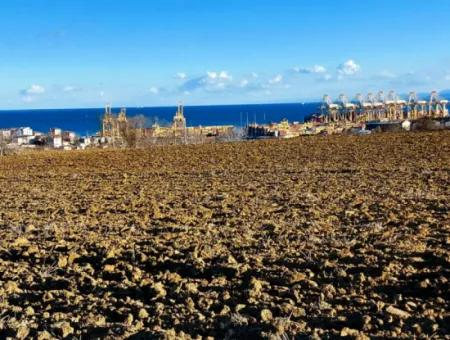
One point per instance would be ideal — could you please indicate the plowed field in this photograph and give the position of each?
(315, 236)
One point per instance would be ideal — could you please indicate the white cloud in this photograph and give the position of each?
(244, 83)
(102, 93)
(223, 75)
(327, 76)
(154, 90)
(348, 68)
(211, 81)
(28, 95)
(319, 69)
(181, 76)
(70, 88)
(254, 75)
(27, 99)
(447, 77)
(33, 90)
(276, 80)
(387, 74)
(211, 75)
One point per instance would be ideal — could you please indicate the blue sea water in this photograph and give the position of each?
(88, 121)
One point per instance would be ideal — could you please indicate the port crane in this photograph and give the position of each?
(382, 107)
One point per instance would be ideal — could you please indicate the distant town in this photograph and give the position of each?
(362, 116)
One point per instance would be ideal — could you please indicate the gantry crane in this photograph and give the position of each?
(329, 109)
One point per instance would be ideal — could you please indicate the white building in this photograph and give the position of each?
(55, 132)
(22, 140)
(69, 136)
(86, 140)
(5, 134)
(57, 142)
(24, 131)
(18, 140)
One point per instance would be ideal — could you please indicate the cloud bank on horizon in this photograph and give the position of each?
(215, 52)
(224, 84)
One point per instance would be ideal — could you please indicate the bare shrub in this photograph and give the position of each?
(131, 131)
(425, 124)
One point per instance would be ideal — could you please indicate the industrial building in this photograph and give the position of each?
(113, 124)
(178, 132)
(382, 108)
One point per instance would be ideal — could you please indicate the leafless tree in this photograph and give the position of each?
(3, 145)
(138, 121)
(132, 131)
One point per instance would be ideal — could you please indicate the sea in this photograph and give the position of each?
(86, 122)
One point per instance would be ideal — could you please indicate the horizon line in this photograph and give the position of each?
(162, 106)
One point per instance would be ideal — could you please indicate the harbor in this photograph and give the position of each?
(363, 115)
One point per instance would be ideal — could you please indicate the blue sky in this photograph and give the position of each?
(85, 53)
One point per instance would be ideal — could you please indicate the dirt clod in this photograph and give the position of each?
(314, 237)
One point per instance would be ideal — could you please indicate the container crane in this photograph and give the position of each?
(380, 106)
(347, 108)
(329, 108)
